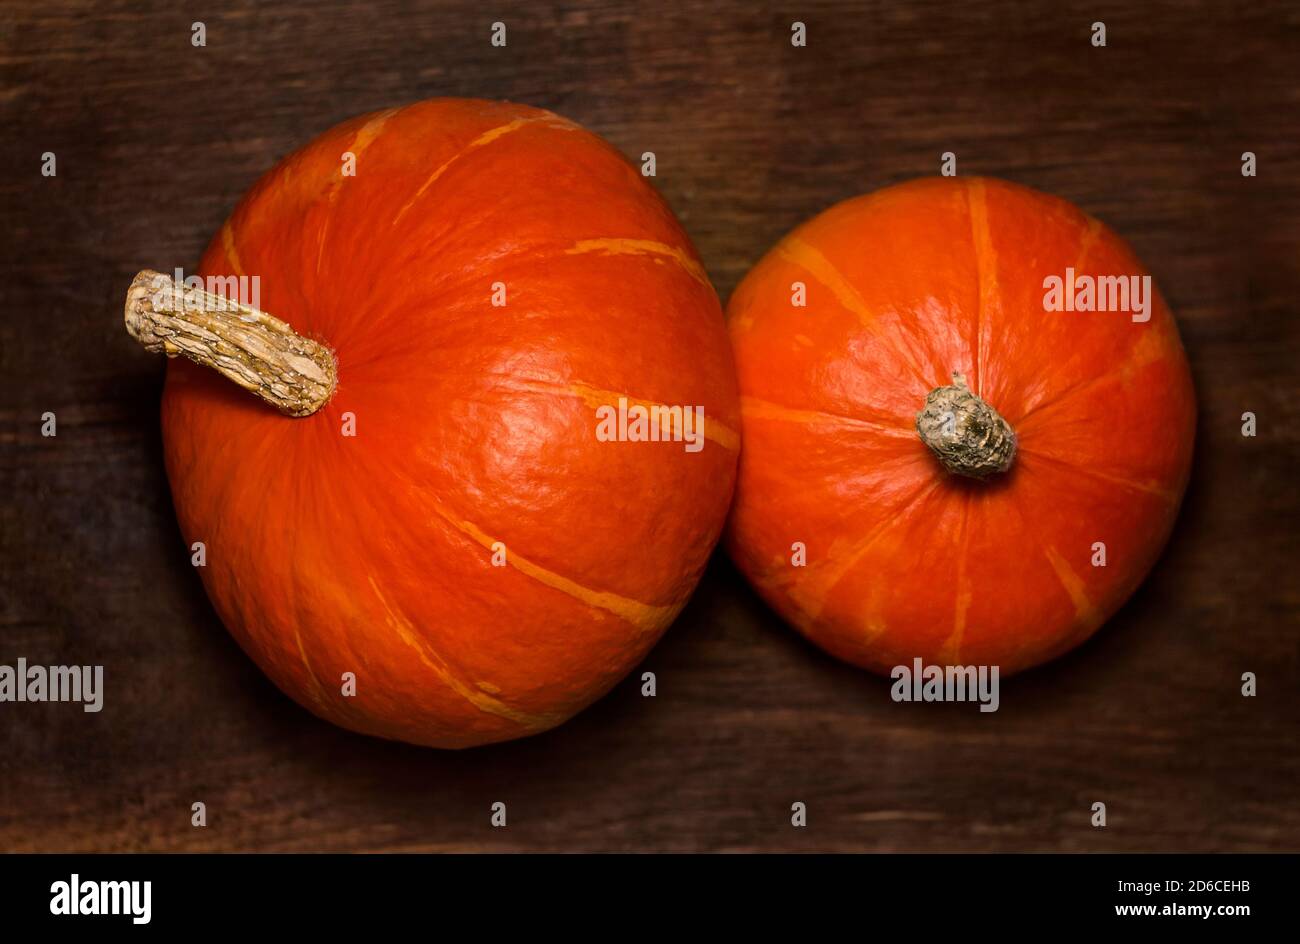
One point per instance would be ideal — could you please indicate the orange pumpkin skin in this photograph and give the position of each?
(475, 425)
(904, 559)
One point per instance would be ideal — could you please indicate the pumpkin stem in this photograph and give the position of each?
(969, 436)
(262, 354)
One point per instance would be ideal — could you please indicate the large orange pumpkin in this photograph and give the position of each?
(451, 527)
(937, 464)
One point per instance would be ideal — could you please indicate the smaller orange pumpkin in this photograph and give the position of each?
(1059, 442)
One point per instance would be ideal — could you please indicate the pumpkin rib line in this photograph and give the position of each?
(1119, 373)
(406, 631)
(311, 673)
(950, 648)
(316, 688)
(1084, 608)
(1145, 488)
(620, 246)
(804, 256)
(364, 137)
(228, 247)
(221, 502)
(985, 268)
(328, 705)
(714, 430)
(776, 411)
(1091, 230)
(644, 617)
(487, 137)
(857, 553)
(1087, 616)
(292, 593)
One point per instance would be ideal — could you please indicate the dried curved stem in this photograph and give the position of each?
(261, 353)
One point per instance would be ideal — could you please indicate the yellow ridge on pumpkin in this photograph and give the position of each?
(845, 560)
(714, 430)
(475, 695)
(228, 247)
(986, 267)
(950, 649)
(317, 689)
(1074, 586)
(487, 137)
(755, 408)
(807, 257)
(643, 247)
(1091, 230)
(364, 137)
(1149, 488)
(645, 617)
(1147, 350)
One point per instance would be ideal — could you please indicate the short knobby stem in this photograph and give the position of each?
(262, 354)
(969, 436)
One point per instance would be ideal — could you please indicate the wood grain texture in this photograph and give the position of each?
(751, 136)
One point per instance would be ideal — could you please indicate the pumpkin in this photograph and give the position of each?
(938, 464)
(506, 423)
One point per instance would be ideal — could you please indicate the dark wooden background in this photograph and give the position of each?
(155, 142)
